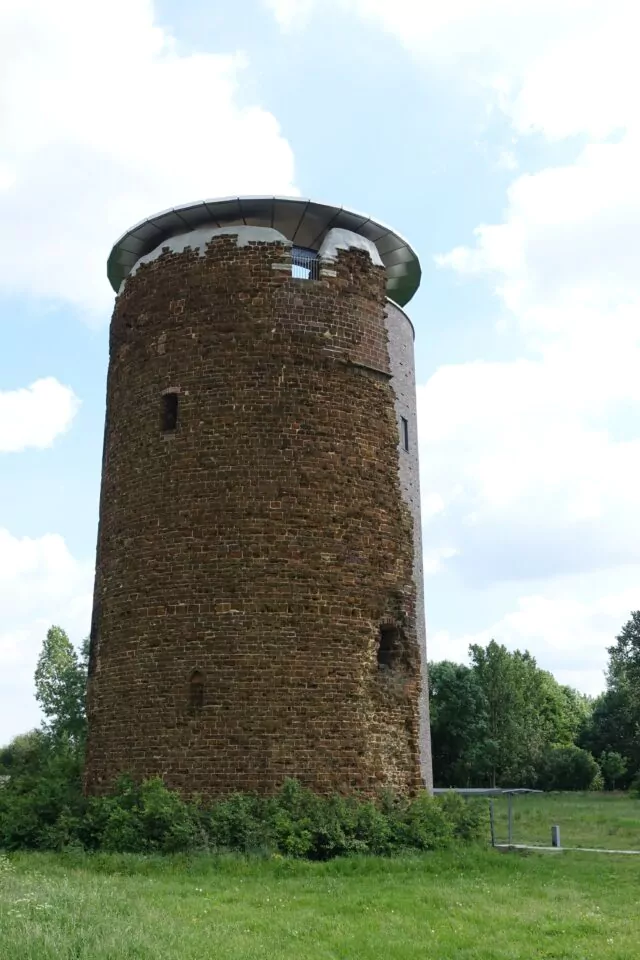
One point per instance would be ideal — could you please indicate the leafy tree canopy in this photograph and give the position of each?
(60, 681)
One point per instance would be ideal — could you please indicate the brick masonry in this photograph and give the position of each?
(258, 548)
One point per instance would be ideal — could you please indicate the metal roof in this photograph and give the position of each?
(304, 222)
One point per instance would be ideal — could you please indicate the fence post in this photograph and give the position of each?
(493, 823)
(510, 818)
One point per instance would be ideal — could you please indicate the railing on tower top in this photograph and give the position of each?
(304, 264)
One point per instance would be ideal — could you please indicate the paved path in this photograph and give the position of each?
(526, 846)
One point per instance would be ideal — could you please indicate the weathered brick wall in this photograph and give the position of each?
(263, 543)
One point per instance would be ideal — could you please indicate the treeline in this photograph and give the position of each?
(502, 721)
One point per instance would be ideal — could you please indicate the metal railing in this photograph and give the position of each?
(510, 844)
(491, 792)
(305, 264)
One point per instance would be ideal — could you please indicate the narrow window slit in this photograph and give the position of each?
(169, 417)
(405, 433)
(196, 691)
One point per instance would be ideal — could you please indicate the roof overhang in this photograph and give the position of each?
(303, 222)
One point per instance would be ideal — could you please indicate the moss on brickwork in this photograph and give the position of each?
(261, 543)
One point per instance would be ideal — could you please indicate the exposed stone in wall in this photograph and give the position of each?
(262, 543)
(200, 237)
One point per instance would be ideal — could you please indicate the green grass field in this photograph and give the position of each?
(469, 904)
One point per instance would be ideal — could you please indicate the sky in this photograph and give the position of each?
(501, 137)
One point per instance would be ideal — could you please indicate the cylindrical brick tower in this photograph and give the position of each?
(258, 608)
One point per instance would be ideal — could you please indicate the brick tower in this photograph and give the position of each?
(258, 609)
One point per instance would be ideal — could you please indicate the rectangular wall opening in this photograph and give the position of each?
(388, 646)
(169, 414)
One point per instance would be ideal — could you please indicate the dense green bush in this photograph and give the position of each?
(41, 804)
(468, 817)
(144, 818)
(149, 818)
(569, 768)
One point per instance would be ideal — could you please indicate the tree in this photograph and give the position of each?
(528, 712)
(614, 725)
(614, 728)
(624, 660)
(492, 669)
(42, 799)
(458, 724)
(514, 689)
(60, 680)
(492, 722)
(578, 711)
(567, 768)
(613, 766)
(20, 752)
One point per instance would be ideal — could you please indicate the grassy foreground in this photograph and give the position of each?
(470, 904)
(609, 820)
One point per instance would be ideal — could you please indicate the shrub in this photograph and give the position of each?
(425, 824)
(470, 818)
(42, 807)
(375, 829)
(568, 768)
(145, 818)
(237, 823)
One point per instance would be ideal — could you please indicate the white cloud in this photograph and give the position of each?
(531, 487)
(41, 584)
(567, 249)
(566, 635)
(433, 560)
(583, 81)
(103, 122)
(495, 39)
(507, 160)
(502, 32)
(547, 447)
(291, 14)
(34, 416)
(431, 505)
(562, 66)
